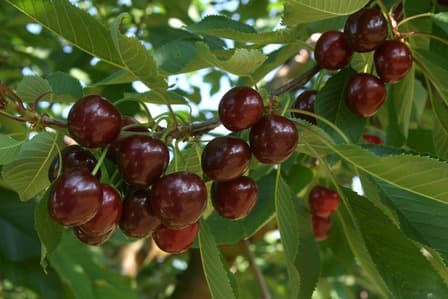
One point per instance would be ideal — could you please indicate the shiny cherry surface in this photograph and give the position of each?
(142, 159)
(321, 227)
(137, 220)
(365, 94)
(225, 158)
(234, 199)
(305, 101)
(273, 139)
(94, 122)
(366, 29)
(92, 239)
(323, 201)
(75, 198)
(240, 108)
(175, 241)
(107, 215)
(393, 60)
(332, 50)
(179, 199)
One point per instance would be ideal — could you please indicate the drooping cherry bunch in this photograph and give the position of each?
(323, 203)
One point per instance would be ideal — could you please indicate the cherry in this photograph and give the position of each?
(107, 215)
(305, 101)
(234, 199)
(175, 241)
(240, 108)
(92, 239)
(137, 220)
(366, 29)
(332, 50)
(142, 159)
(73, 157)
(75, 198)
(393, 60)
(365, 94)
(323, 201)
(443, 2)
(178, 199)
(321, 227)
(372, 139)
(225, 158)
(273, 139)
(93, 121)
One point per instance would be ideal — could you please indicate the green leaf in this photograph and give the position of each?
(49, 232)
(441, 19)
(170, 97)
(216, 272)
(28, 174)
(331, 104)
(9, 149)
(305, 11)
(407, 273)
(118, 77)
(63, 84)
(440, 130)
(32, 87)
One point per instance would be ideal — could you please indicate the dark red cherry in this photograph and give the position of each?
(178, 199)
(240, 108)
(443, 2)
(225, 158)
(93, 121)
(323, 201)
(372, 139)
(73, 157)
(273, 139)
(75, 198)
(365, 94)
(236, 198)
(321, 227)
(393, 60)
(305, 101)
(137, 220)
(107, 215)
(175, 241)
(92, 239)
(142, 159)
(366, 29)
(332, 50)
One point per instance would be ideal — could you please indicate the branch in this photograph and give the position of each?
(258, 275)
(296, 83)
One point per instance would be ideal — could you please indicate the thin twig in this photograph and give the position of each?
(296, 83)
(258, 275)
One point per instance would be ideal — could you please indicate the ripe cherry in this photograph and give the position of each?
(443, 2)
(393, 60)
(305, 101)
(332, 50)
(92, 239)
(142, 159)
(273, 139)
(225, 158)
(321, 227)
(372, 139)
(93, 121)
(73, 157)
(323, 201)
(236, 198)
(365, 94)
(179, 199)
(137, 220)
(75, 198)
(175, 241)
(366, 29)
(107, 215)
(240, 108)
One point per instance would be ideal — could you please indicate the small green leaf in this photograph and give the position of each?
(119, 77)
(64, 85)
(165, 97)
(441, 19)
(9, 149)
(32, 87)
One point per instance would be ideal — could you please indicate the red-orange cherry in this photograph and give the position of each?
(332, 50)
(240, 108)
(92, 239)
(321, 227)
(323, 201)
(372, 139)
(365, 94)
(305, 101)
(393, 60)
(175, 241)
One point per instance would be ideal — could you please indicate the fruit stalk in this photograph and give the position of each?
(296, 83)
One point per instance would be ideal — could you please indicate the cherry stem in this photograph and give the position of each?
(258, 275)
(422, 15)
(100, 160)
(386, 13)
(424, 35)
(296, 83)
(195, 129)
(20, 106)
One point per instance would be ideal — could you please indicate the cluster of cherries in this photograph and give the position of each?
(323, 202)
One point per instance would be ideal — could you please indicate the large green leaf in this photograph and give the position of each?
(440, 130)
(216, 272)
(9, 149)
(305, 11)
(32, 87)
(63, 84)
(171, 97)
(28, 174)
(441, 19)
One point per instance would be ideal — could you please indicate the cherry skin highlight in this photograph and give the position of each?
(321, 227)
(178, 199)
(94, 122)
(225, 158)
(332, 50)
(305, 101)
(240, 108)
(365, 94)
(393, 60)
(323, 201)
(236, 198)
(273, 139)
(75, 198)
(175, 241)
